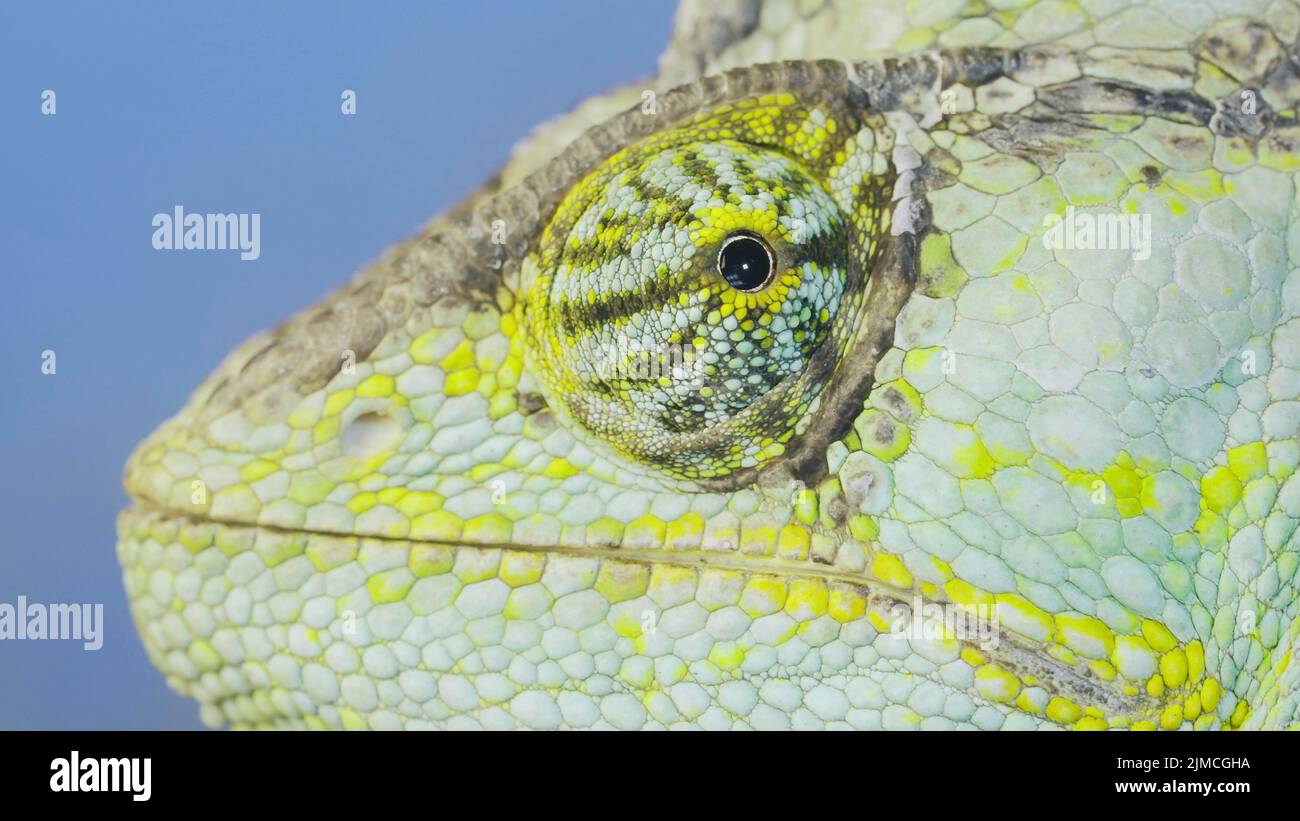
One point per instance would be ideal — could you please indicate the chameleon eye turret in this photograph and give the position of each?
(692, 296)
(746, 262)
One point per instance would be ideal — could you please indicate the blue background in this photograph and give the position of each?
(230, 107)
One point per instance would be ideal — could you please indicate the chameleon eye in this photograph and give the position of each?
(690, 296)
(746, 262)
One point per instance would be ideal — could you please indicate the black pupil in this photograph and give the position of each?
(745, 263)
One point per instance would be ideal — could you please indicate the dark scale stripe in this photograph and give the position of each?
(593, 252)
(700, 171)
(619, 307)
(749, 179)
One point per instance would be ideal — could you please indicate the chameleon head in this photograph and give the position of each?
(807, 396)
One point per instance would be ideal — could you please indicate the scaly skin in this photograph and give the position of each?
(477, 526)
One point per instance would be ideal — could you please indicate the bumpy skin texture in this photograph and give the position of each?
(1098, 445)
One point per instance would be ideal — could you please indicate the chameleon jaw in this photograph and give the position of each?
(230, 588)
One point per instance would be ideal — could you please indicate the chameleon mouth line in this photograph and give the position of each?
(1012, 651)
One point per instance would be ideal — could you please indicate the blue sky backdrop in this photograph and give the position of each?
(220, 108)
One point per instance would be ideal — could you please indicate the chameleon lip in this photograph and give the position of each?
(1013, 651)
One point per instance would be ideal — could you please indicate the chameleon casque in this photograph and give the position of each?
(731, 393)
